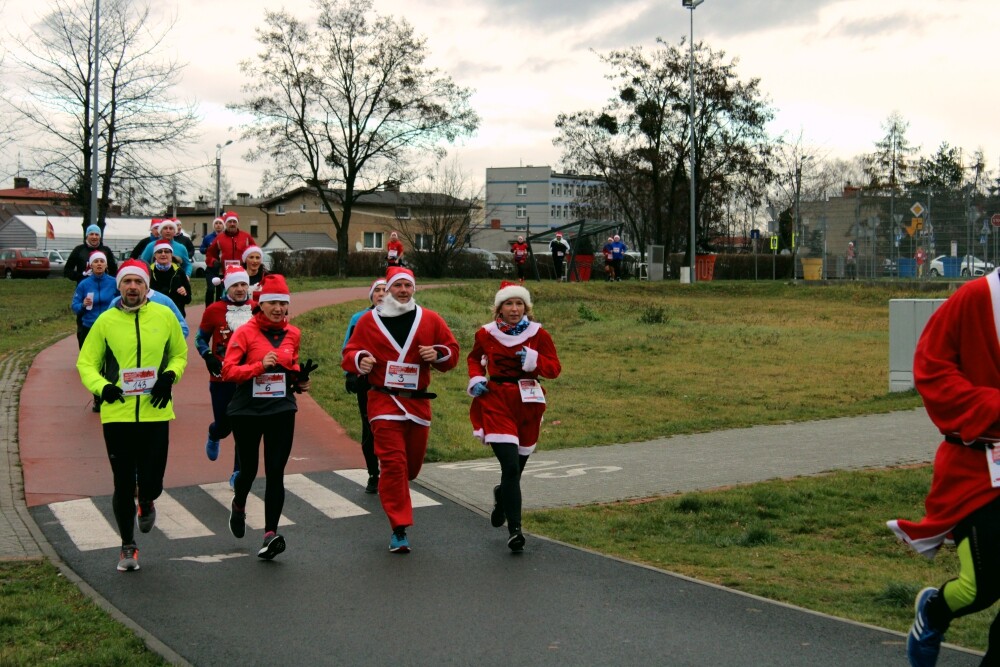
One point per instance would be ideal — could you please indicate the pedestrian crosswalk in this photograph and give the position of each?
(90, 527)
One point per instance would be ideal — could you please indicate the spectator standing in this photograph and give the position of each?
(558, 247)
(358, 385)
(146, 344)
(78, 264)
(227, 248)
(263, 361)
(94, 294)
(218, 323)
(394, 251)
(520, 252)
(507, 407)
(183, 238)
(851, 258)
(921, 258)
(213, 290)
(166, 276)
(396, 346)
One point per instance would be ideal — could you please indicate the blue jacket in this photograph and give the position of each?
(105, 290)
(207, 241)
(180, 255)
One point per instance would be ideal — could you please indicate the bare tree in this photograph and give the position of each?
(138, 116)
(345, 103)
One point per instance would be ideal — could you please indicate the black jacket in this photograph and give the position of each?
(79, 260)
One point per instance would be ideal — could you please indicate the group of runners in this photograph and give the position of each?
(133, 352)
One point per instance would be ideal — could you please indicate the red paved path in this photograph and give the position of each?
(62, 445)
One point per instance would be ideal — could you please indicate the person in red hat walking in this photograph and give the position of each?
(396, 346)
(218, 323)
(133, 356)
(263, 361)
(510, 353)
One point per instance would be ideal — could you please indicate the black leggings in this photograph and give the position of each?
(367, 439)
(277, 431)
(138, 455)
(511, 466)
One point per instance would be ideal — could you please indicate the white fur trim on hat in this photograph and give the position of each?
(235, 275)
(380, 281)
(396, 273)
(231, 216)
(132, 267)
(252, 249)
(168, 223)
(163, 245)
(512, 291)
(97, 254)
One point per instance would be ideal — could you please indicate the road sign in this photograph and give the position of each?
(995, 220)
(774, 243)
(917, 210)
(755, 234)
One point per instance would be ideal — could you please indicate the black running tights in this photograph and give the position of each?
(138, 455)
(511, 466)
(277, 431)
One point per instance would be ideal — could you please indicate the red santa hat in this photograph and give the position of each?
(168, 223)
(250, 250)
(234, 274)
(558, 235)
(231, 215)
(97, 254)
(132, 267)
(509, 290)
(219, 219)
(399, 273)
(380, 281)
(154, 225)
(274, 288)
(617, 237)
(163, 245)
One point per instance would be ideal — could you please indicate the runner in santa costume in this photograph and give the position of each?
(220, 320)
(506, 412)
(396, 346)
(956, 369)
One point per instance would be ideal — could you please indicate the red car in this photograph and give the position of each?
(24, 263)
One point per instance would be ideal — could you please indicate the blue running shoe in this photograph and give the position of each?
(212, 449)
(398, 544)
(924, 642)
(232, 479)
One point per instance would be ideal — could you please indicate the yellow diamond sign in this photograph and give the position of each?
(917, 210)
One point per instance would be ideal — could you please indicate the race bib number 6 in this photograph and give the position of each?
(269, 385)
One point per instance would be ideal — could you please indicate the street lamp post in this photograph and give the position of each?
(797, 230)
(692, 4)
(218, 176)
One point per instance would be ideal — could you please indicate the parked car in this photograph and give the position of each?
(970, 265)
(24, 263)
(57, 261)
(198, 264)
(490, 259)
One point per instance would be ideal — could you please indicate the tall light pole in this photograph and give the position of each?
(797, 231)
(218, 176)
(692, 4)
(96, 128)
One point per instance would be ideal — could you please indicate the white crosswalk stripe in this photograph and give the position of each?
(360, 476)
(90, 528)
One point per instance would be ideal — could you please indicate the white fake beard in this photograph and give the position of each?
(392, 308)
(237, 316)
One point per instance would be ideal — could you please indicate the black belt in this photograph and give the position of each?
(980, 445)
(506, 380)
(404, 393)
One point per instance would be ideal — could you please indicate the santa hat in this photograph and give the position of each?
(380, 281)
(558, 235)
(273, 288)
(509, 290)
(168, 223)
(617, 238)
(132, 267)
(399, 273)
(97, 254)
(231, 215)
(250, 250)
(234, 274)
(219, 219)
(163, 245)
(154, 225)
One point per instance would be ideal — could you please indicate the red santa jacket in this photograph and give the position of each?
(228, 248)
(394, 252)
(218, 323)
(956, 369)
(371, 338)
(499, 352)
(520, 252)
(247, 347)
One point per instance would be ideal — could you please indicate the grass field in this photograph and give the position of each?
(645, 360)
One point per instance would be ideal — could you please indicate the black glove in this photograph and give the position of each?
(212, 363)
(351, 383)
(160, 394)
(112, 393)
(306, 369)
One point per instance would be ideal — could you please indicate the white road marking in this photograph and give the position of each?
(175, 521)
(322, 498)
(255, 506)
(360, 476)
(217, 558)
(86, 525)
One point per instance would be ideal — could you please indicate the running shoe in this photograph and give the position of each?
(372, 486)
(496, 516)
(398, 544)
(147, 516)
(924, 642)
(232, 479)
(516, 541)
(273, 545)
(128, 559)
(237, 520)
(212, 449)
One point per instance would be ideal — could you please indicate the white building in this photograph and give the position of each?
(533, 199)
(29, 231)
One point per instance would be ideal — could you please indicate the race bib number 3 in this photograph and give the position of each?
(402, 376)
(138, 381)
(269, 385)
(531, 391)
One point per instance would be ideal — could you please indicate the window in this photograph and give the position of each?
(522, 189)
(521, 211)
(280, 209)
(204, 229)
(559, 189)
(373, 240)
(253, 229)
(322, 207)
(553, 188)
(402, 213)
(302, 208)
(555, 211)
(423, 242)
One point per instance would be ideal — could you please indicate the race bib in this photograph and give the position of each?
(531, 391)
(138, 381)
(269, 385)
(993, 462)
(392, 254)
(401, 375)
(233, 262)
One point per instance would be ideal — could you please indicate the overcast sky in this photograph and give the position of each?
(832, 69)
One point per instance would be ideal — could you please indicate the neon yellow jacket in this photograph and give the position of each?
(151, 336)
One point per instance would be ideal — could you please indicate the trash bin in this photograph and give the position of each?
(704, 267)
(907, 267)
(812, 269)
